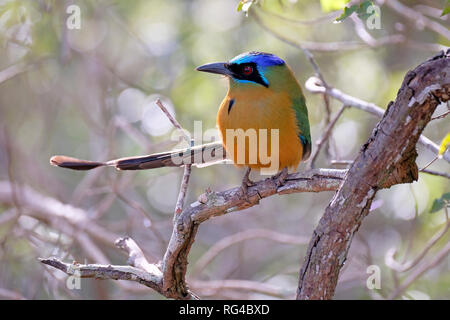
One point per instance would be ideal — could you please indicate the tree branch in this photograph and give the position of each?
(212, 204)
(168, 277)
(325, 136)
(386, 159)
(314, 85)
(187, 168)
(417, 18)
(435, 260)
(103, 272)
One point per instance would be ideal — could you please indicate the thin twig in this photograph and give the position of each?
(417, 18)
(429, 163)
(314, 64)
(14, 70)
(183, 189)
(210, 288)
(173, 121)
(441, 115)
(326, 18)
(362, 32)
(434, 261)
(313, 85)
(226, 242)
(436, 173)
(325, 136)
(145, 215)
(328, 46)
(403, 267)
(187, 167)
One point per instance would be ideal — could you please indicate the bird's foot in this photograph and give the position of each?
(280, 177)
(246, 183)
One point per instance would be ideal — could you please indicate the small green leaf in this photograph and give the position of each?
(239, 7)
(360, 10)
(438, 204)
(347, 12)
(446, 9)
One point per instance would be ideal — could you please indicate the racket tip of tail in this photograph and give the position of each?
(74, 163)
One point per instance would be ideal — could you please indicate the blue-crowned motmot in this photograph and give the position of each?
(263, 95)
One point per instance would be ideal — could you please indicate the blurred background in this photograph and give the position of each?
(90, 93)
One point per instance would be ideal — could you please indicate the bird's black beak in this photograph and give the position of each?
(218, 67)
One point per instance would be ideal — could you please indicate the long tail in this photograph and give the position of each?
(198, 155)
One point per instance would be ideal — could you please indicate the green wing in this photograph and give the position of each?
(301, 114)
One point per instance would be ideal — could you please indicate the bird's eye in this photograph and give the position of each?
(247, 70)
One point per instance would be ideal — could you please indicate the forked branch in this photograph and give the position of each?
(168, 276)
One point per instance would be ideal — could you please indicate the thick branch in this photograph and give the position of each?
(214, 204)
(169, 278)
(99, 271)
(387, 158)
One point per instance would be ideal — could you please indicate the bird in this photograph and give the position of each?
(263, 98)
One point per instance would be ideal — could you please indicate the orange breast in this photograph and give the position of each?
(248, 129)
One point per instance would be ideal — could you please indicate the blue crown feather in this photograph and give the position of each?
(262, 59)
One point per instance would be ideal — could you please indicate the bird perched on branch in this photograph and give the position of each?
(263, 122)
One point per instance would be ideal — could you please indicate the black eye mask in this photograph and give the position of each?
(238, 71)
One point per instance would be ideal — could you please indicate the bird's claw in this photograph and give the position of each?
(280, 177)
(246, 183)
